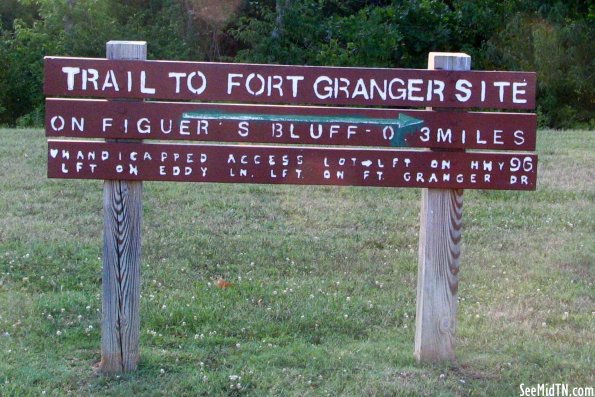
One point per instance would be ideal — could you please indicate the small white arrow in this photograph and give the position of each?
(367, 163)
(53, 153)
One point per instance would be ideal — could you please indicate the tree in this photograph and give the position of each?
(346, 33)
(552, 37)
(555, 38)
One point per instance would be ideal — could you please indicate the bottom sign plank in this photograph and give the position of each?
(291, 165)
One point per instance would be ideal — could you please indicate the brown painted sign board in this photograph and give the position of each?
(290, 165)
(128, 115)
(85, 118)
(281, 84)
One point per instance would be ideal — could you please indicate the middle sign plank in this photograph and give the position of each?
(84, 118)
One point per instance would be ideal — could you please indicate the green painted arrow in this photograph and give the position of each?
(407, 125)
(403, 125)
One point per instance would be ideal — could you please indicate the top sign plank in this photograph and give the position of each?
(278, 84)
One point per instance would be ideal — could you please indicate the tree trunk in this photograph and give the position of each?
(280, 7)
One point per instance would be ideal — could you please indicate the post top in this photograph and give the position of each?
(449, 61)
(449, 54)
(126, 42)
(126, 50)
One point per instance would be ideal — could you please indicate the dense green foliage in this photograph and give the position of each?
(553, 37)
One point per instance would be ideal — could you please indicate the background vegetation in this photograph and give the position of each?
(553, 37)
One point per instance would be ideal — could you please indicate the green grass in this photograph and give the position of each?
(323, 301)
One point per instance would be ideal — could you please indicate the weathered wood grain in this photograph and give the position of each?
(122, 207)
(439, 259)
(122, 204)
(439, 256)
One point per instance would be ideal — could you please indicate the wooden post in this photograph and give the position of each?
(439, 255)
(122, 211)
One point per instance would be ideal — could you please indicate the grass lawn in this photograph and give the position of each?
(324, 279)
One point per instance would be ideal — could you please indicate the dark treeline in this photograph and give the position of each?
(553, 37)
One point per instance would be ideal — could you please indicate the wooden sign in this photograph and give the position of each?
(288, 84)
(290, 165)
(290, 124)
(339, 153)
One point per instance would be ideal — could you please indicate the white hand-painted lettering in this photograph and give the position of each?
(464, 88)
(57, 123)
(70, 73)
(110, 81)
(143, 84)
(203, 84)
(501, 88)
(435, 88)
(107, 122)
(243, 129)
(516, 91)
(90, 76)
(178, 77)
(519, 137)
